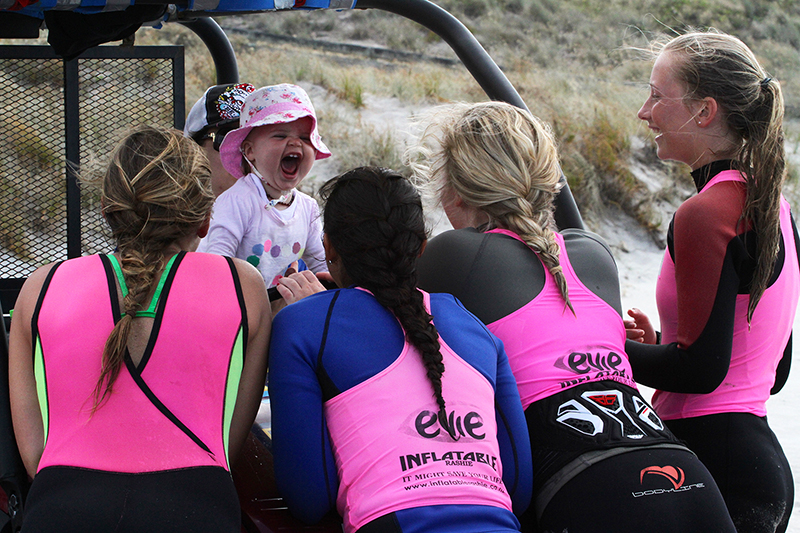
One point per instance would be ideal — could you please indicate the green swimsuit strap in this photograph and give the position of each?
(150, 312)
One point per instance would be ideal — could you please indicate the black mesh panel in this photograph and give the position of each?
(32, 186)
(116, 94)
(116, 88)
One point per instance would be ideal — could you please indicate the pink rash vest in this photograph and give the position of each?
(757, 348)
(583, 347)
(391, 451)
(190, 369)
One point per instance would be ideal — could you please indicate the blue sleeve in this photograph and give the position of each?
(305, 470)
(512, 435)
(484, 351)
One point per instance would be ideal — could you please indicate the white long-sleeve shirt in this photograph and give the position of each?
(244, 225)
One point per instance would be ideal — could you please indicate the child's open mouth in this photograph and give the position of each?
(290, 164)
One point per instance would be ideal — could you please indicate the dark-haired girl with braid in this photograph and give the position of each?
(135, 377)
(393, 406)
(602, 459)
(729, 283)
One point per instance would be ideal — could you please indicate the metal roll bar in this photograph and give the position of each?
(483, 69)
(218, 45)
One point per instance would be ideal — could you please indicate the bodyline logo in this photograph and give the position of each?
(672, 473)
(653, 492)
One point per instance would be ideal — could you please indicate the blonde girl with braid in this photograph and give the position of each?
(394, 406)
(730, 282)
(553, 299)
(136, 376)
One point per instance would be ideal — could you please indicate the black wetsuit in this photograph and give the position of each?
(712, 251)
(604, 482)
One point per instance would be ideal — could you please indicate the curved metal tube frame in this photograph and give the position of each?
(483, 69)
(451, 30)
(218, 45)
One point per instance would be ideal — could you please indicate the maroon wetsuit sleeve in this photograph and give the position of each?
(704, 230)
(711, 261)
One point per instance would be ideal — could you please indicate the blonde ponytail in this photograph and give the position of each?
(155, 190)
(501, 160)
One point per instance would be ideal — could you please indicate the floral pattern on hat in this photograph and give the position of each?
(275, 104)
(219, 105)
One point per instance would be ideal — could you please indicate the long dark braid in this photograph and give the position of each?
(373, 218)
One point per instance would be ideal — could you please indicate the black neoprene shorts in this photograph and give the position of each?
(747, 461)
(657, 490)
(66, 500)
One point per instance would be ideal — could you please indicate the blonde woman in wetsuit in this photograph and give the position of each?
(729, 284)
(602, 459)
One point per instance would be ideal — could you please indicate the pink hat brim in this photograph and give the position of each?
(230, 150)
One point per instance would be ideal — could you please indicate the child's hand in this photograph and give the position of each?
(639, 329)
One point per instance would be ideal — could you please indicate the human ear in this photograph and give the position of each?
(247, 150)
(449, 194)
(707, 111)
(335, 266)
(331, 256)
(202, 231)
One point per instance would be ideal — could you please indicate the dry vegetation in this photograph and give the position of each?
(571, 61)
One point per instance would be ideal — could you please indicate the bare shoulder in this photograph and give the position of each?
(40, 274)
(253, 287)
(32, 287)
(247, 272)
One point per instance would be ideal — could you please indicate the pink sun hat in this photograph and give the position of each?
(275, 104)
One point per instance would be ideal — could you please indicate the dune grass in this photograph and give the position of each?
(570, 60)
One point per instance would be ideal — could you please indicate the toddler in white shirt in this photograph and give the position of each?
(263, 218)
